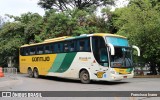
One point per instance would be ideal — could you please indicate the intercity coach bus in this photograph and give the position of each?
(99, 56)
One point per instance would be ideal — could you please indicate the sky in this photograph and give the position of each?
(18, 7)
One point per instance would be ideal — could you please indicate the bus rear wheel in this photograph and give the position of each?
(30, 73)
(35, 73)
(84, 77)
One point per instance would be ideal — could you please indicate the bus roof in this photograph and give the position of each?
(63, 38)
(108, 34)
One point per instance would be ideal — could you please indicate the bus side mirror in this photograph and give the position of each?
(111, 48)
(135, 47)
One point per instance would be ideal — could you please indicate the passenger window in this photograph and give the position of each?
(83, 45)
(72, 46)
(26, 51)
(47, 49)
(52, 48)
(22, 52)
(32, 51)
(87, 45)
(66, 46)
(40, 50)
(58, 47)
(61, 47)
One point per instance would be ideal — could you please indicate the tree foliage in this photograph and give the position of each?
(14, 34)
(72, 23)
(63, 5)
(140, 22)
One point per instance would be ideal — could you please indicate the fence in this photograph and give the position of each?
(10, 72)
(147, 70)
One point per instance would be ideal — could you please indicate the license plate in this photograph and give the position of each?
(124, 76)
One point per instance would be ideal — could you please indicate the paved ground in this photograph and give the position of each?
(24, 83)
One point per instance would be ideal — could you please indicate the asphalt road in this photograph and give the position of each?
(24, 83)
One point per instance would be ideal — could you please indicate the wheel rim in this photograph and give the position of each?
(35, 73)
(30, 72)
(85, 76)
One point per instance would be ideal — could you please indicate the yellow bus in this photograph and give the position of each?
(99, 56)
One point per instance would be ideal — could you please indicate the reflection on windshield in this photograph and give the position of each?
(122, 57)
(116, 41)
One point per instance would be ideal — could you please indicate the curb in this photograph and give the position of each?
(147, 76)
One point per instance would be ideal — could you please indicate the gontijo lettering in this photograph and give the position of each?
(36, 59)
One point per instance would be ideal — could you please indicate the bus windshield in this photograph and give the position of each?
(116, 41)
(122, 57)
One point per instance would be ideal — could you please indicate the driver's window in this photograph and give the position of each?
(100, 51)
(103, 55)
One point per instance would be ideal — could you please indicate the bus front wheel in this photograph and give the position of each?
(30, 73)
(84, 77)
(35, 73)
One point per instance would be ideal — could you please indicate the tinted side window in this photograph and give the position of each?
(95, 47)
(52, 48)
(72, 46)
(61, 47)
(40, 50)
(26, 51)
(22, 52)
(47, 49)
(87, 45)
(83, 45)
(66, 46)
(100, 51)
(58, 47)
(32, 51)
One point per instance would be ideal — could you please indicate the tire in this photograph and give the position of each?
(84, 77)
(35, 73)
(30, 73)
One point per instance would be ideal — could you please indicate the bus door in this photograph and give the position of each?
(100, 51)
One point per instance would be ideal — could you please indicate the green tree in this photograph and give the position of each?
(11, 38)
(14, 34)
(71, 23)
(56, 24)
(140, 22)
(63, 5)
(32, 25)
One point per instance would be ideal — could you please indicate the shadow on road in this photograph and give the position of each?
(108, 83)
(78, 81)
(52, 78)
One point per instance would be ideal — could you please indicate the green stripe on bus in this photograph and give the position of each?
(58, 62)
(67, 62)
(129, 69)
